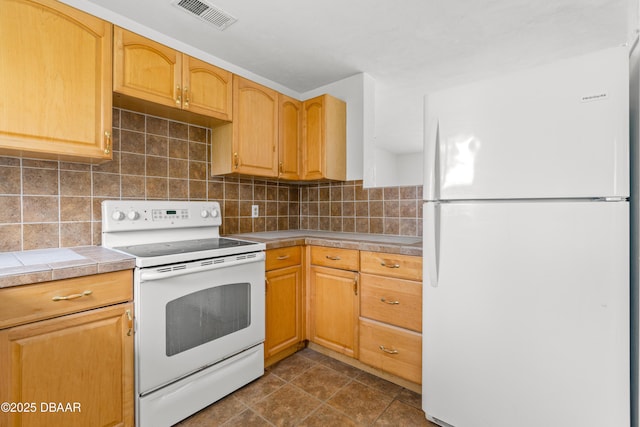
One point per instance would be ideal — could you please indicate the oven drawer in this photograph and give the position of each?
(28, 303)
(283, 257)
(394, 350)
(392, 265)
(344, 259)
(390, 300)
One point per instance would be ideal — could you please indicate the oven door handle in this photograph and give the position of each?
(165, 273)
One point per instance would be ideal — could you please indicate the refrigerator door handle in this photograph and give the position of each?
(431, 242)
(431, 157)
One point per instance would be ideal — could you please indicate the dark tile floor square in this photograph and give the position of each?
(311, 389)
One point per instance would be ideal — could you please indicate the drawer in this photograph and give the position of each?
(393, 350)
(390, 300)
(28, 303)
(344, 259)
(283, 257)
(392, 265)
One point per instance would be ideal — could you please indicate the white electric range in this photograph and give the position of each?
(199, 305)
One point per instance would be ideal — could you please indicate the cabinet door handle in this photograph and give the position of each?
(107, 147)
(333, 258)
(130, 320)
(72, 296)
(236, 160)
(283, 257)
(280, 168)
(389, 264)
(355, 286)
(178, 96)
(387, 350)
(186, 97)
(391, 302)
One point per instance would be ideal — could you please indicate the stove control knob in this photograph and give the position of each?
(204, 213)
(117, 215)
(215, 213)
(133, 215)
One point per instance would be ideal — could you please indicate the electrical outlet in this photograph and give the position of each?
(255, 211)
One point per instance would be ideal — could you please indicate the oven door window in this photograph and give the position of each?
(206, 315)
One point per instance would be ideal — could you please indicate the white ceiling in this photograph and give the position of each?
(409, 47)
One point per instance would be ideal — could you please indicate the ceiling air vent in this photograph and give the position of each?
(207, 12)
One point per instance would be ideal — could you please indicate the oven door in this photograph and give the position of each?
(192, 315)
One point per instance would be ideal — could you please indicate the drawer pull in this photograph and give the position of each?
(394, 302)
(130, 320)
(283, 257)
(389, 265)
(386, 350)
(72, 296)
(333, 258)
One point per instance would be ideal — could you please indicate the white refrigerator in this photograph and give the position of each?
(526, 248)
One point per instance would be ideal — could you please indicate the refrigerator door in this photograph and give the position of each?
(556, 131)
(526, 322)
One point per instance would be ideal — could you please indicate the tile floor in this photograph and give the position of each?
(311, 389)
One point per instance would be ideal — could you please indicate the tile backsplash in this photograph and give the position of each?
(49, 204)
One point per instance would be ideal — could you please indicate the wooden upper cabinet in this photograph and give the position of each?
(55, 81)
(207, 88)
(324, 139)
(150, 71)
(289, 137)
(255, 128)
(146, 69)
(248, 146)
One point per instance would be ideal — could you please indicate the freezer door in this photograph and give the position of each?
(526, 322)
(556, 131)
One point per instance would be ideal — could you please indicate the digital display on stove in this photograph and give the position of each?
(169, 214)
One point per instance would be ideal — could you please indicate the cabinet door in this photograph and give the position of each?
(324, 144)
(255, 129)
(314, 137)
(289, 137)
(206, 89)
(55, 81)
(283, 309)
(84, 360)
(334, 309)
(145, 69)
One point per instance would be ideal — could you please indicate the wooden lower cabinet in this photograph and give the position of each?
(334, 307)
(284, 287)
(283, 309)
(66, 352)
(394, 350)
(391, 314)
(74, 370)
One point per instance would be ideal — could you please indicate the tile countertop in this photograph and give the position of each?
(405, 245)
(43, 265)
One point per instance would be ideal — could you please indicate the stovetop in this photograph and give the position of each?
(184, 246)
(163, 253)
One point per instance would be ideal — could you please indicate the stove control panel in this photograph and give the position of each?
(130, 215)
